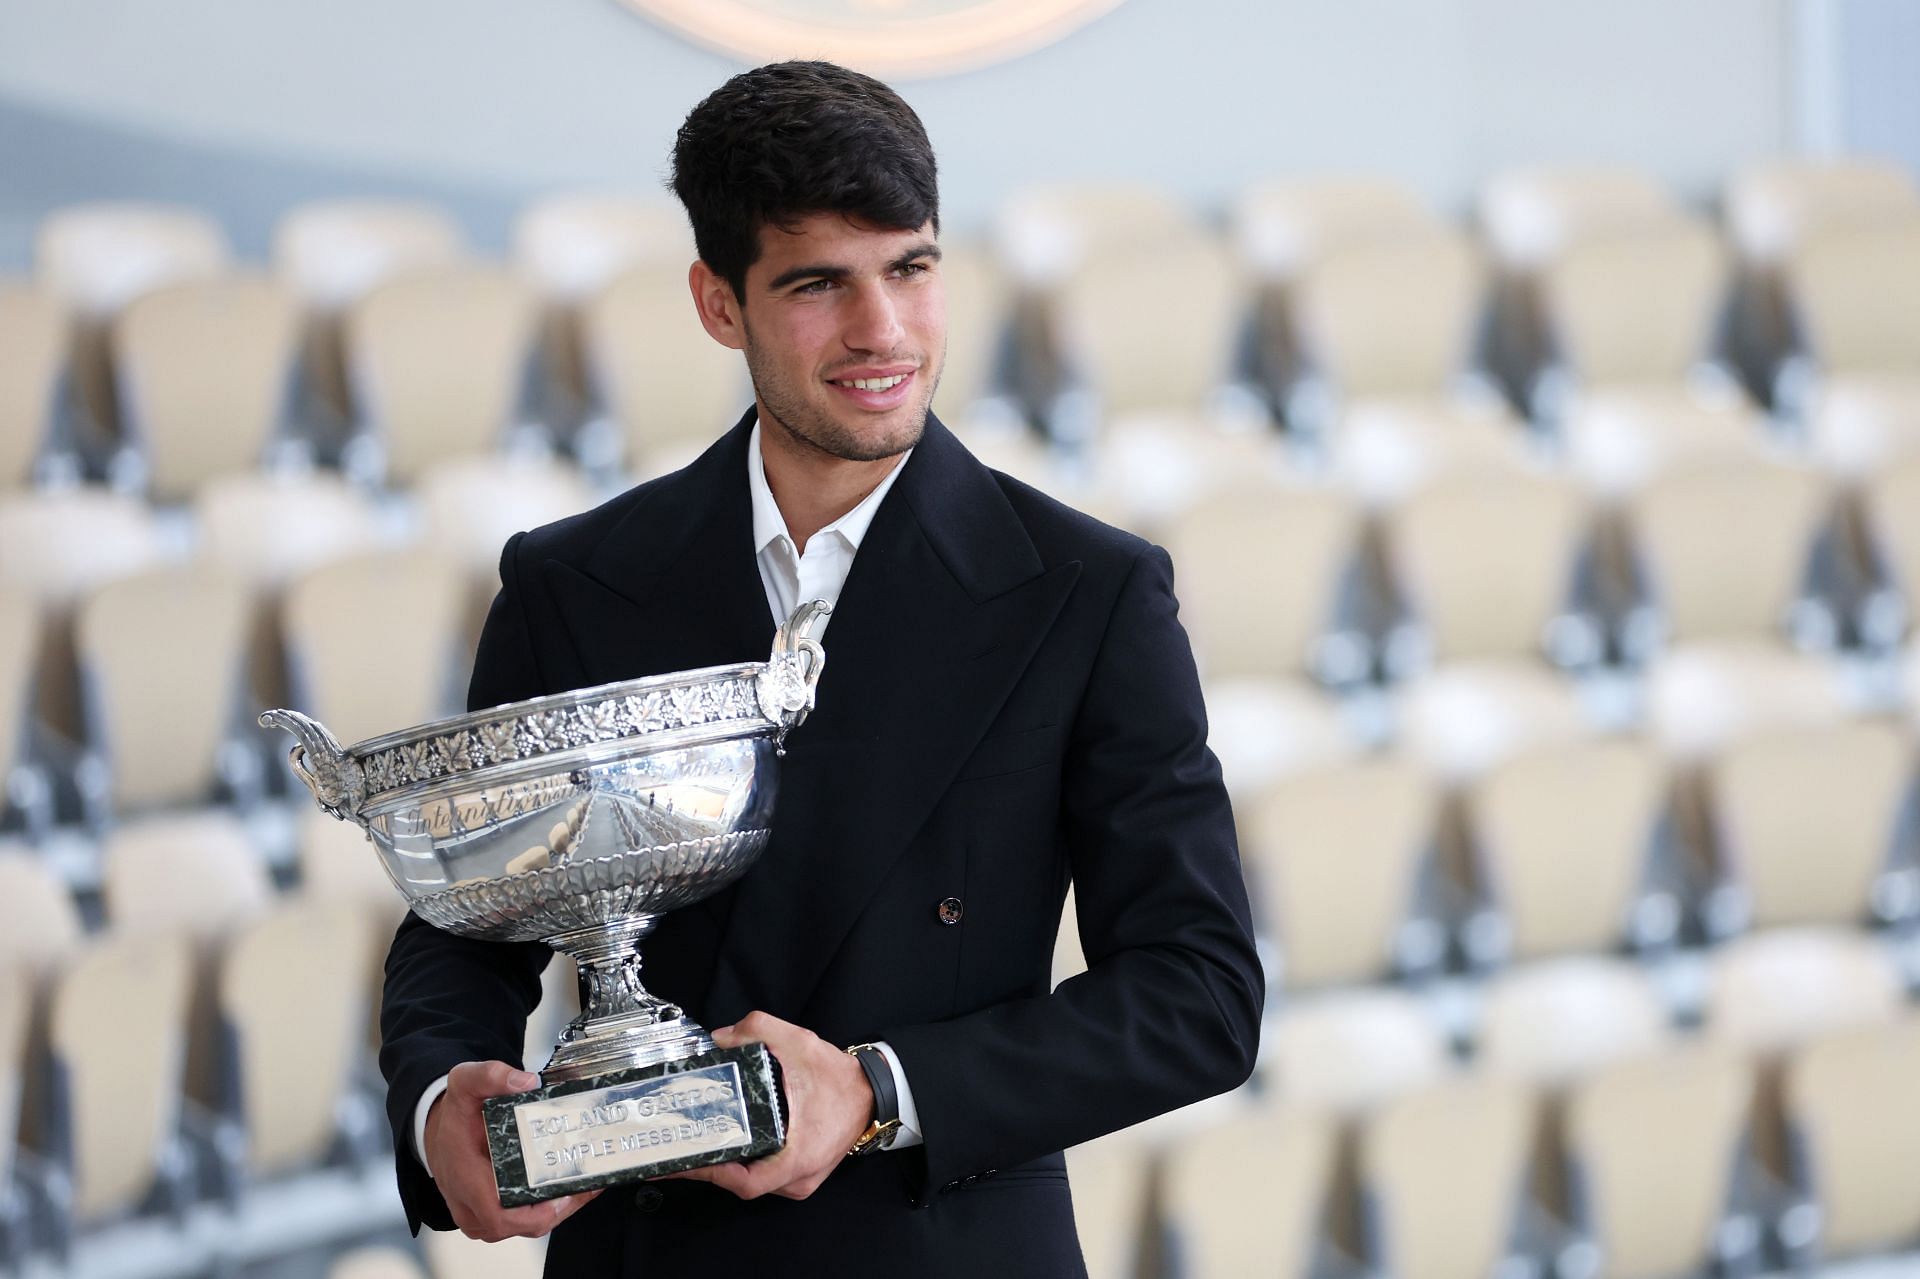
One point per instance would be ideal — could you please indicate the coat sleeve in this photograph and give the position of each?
(451, 999)
(1168, 1011)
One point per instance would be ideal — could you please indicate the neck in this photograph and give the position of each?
(813, 488)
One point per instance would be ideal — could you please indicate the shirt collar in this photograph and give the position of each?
(769, 525)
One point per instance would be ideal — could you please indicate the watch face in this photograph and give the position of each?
(897, 38)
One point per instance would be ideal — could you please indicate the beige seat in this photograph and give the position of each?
(62, 545)
(1283, 224)
(33, 332)
(1636, 307)
(1891, 516)
(1460, 720)
(1850, 1100)
(978, 303)
(437, 360)
(118, 1034)
(1263, 730)
(203, 371)
(339, 868)
(1619, 441)
(295, 1058)
(1654, 1142)
(1563, 836)
(1772, 990)
(163, 655)
(19, 662)
(571, 246)
(1112, 1179)
(1531, 216)
(1775, 206)
(1152, 329)
(1146, 472)
(375, 1263)
(1725, 546)
(1392, 317)
(1549, 1023)
(269, 528)
(470, 506)
(16, 1021)
(1353, 1050)
(1855, 296)
(39, 924)
(1486, 561)
(1334, 856)
(361, 678)
(197, 873)
(1807, 819)
(1700, 698)
(1264, 614)
(1047, 231)
(1447, 1168)
(451, 1255)
(1388, 448)
(1250, 1197)
(671, 388)
(96, 258)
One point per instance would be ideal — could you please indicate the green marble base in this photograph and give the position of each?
(629, 1125)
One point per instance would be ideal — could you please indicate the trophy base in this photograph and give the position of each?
(628, 1125)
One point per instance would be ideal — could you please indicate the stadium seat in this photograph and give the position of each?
(195, 873)
(1700, 698)
(978, 310)
(119, 1018)
(294, 1060)
(1486, 562)
(1047, 231)
(33, 332)
(373, 641)
(39, 925)
(1849, 1101)
(16, 1021)
(1112, 1180)
(1653, 1144)
(1266, 729)
(1772, 990)
(438, 361)
(1855, 297)
(1549, 1023)
(1446, 1171)
(204, 373)
(375, 1263)
(1274, 613)
(1806, 822)
(1563, 838)
(1775, 206)
(1351, 1051)
(1334, 856)
(1251, 1197)
(1724, 550)
(23, 786)
(1531, 216)
(451, 1255)
(269, 528)
(470, 506)
(163, 659)
(1465, 718)
(1618, 442)
(1283, 224)
(669, 389)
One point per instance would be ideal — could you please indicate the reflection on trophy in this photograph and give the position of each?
(577, 820)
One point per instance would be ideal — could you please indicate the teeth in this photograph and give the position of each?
(875, 383)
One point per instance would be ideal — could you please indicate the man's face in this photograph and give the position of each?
(844, 326)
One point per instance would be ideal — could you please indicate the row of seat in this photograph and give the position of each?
(1584, 1129)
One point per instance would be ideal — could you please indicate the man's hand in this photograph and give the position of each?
(456, 1150)
(829, 1104)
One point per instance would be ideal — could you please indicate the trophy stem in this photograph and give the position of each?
(621, 1025)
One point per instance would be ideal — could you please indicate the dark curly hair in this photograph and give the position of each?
(791, 139)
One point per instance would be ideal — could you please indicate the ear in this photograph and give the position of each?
(719, 309)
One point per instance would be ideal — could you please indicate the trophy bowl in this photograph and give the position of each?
(577, 820)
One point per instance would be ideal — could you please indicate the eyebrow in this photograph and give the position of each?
(794, 275)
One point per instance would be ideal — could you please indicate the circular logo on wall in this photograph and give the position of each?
(882, 37)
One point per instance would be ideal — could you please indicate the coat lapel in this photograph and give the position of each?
(945, 606)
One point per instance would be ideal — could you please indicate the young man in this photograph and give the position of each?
(1009, 704)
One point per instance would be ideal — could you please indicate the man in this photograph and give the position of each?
(1009, 703)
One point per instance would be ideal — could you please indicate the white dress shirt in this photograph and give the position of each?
(818, 573)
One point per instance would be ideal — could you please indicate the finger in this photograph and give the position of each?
(477, 1079)
(756, 1025)
(535, 1220)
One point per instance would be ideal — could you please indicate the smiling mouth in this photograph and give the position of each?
(872, 383)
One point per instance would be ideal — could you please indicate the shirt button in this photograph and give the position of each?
(648, 1198)
(950, 910)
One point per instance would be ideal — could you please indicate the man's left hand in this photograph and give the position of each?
(829, 1104)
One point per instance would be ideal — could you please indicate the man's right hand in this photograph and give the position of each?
(456, 1150)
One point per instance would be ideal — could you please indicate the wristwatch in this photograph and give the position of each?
(886, 1102)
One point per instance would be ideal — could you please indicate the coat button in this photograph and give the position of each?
(950, 910)
(648, 1198)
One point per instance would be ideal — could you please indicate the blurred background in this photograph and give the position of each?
(1529, 394)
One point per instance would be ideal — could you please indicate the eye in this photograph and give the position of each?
(814, 286)
(913, 268)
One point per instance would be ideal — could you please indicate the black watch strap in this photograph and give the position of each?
(886, 1100)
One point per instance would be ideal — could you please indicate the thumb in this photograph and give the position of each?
(478, 1079)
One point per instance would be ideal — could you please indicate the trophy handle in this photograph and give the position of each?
(328, 771)
(787, 683)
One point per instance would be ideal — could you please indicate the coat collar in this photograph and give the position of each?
(946, 604)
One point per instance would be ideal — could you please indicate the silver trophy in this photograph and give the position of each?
(578, 820)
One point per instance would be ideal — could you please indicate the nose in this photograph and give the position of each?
(873, 321)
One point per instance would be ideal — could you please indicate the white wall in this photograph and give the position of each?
(515, 96)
